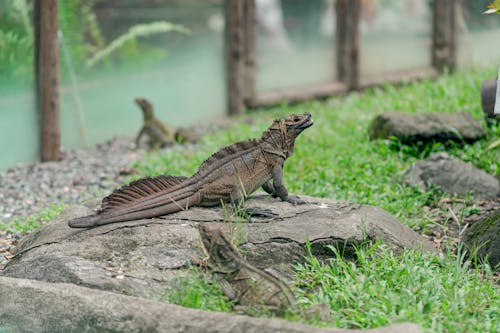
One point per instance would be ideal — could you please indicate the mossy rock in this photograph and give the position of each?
(484, 236)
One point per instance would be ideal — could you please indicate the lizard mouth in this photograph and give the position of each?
(306, 122)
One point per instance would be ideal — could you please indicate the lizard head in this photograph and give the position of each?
(296, 123)
(287, 129)
(146, 107)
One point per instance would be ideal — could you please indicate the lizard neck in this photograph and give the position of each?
(148, 116)
(276, 142)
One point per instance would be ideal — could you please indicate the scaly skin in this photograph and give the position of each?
(250, 286)
(229, 175)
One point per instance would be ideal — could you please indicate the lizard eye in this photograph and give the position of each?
(296, 118)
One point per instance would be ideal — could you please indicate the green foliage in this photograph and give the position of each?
(139, 30)
(16, 57)
(493, 7)
(16, 44)
(82, 39)
(88, 48)
(34, 221)
(74, 16)
(440, 293)
(199, 291)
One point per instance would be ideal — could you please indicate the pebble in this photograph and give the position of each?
(82, 174)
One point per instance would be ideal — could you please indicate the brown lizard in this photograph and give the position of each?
(159, 133)
(227, 176)
(240, 281)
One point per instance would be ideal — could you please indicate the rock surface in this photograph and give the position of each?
(453, 176)
(143, 257)
(34, 306)
(425, 127)
(484, 235)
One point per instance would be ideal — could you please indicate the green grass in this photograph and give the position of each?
(200, 292)
(442, 294)
(34, 221)
(335, 159)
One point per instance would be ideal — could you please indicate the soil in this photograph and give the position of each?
(452, 217)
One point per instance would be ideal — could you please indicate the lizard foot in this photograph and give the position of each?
(295, 200)
(200, 262)
(248, 213)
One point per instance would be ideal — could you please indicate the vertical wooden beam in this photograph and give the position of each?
(250, 28)
(347, 41)
(444, 41)
(36, 61)
(235, 55)
(47, 76)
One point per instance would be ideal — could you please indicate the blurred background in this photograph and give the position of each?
(174, 53)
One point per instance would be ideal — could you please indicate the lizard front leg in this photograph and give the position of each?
(278, 189)
(138, 138)
(269, 188)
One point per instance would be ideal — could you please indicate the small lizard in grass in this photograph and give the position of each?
(250, 286)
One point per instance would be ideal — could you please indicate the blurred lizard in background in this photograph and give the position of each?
(160, 134)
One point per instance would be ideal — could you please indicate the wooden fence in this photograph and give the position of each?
(242, 61)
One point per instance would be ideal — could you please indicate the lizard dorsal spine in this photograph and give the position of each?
(139, 190)
(231, 151)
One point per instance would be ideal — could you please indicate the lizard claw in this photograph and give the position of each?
(295, 200)
(200, 262)
(259, 212)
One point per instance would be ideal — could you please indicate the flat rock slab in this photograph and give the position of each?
(144, 257)
(34, 306)
(453, 176)
(426, 127)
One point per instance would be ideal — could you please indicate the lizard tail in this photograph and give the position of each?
(86, 221)
(141, 199)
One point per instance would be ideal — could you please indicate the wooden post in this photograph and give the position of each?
(235, 55)
(250, 28)
(347, 37)
(47, 76)
(444, 41)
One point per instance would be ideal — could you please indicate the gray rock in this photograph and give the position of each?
(144, 257)
(484, 236)
(424, 127)
(34, 306)
(488, 98)
(453, 176)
